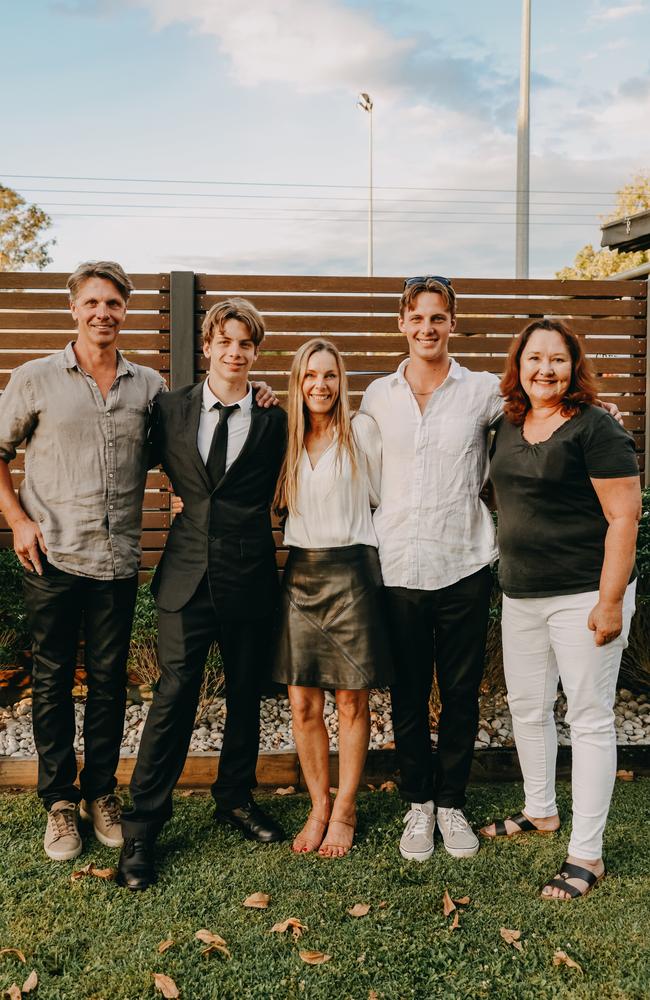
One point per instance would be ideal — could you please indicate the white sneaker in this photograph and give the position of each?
(417, 840)
(459, 838)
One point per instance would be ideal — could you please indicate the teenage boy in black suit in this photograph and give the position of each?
(217, 580)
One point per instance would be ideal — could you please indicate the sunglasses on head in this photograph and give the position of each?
(423, 278)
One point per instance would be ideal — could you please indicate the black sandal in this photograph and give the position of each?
(571, 871)
(524, 824)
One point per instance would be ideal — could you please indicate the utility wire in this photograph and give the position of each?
(253, 218)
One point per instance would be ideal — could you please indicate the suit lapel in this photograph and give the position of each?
(191, 416)
(256, 431)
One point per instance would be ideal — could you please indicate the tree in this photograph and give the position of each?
(21, 229)
(589, 263)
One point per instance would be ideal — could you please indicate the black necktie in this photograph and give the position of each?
(216, 460)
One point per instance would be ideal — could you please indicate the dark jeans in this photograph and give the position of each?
(448, 627)
(56, 603)
(184, 638)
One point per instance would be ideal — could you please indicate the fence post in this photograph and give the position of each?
(181, 322)
(646, 470)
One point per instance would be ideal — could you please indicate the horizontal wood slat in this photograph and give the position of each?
(149, 301)
(37, 340)
(64, 321)
(158, 361)
(479, 306)
(462, 286)
(324, 325)
(58, 279)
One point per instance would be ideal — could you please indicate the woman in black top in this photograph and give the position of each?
(568, 493)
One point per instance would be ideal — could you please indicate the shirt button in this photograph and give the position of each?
(110, 475)
(110, 506)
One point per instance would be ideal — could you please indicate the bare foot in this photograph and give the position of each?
(339, 838)
(311, 836)
(543, 824)
(597, 868)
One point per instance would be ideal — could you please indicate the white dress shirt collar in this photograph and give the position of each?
(245, 404)
(455, 371)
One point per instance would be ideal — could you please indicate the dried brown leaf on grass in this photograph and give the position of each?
(463, 901)
(625, 775)
(165, 945)
(214, 942)
(372, 995)
(455, 924)
(167, 986)
(89, 869)
(13, 992)
(291, 922)
(30, 983)
(289, 790)
(13, 951)
(448, 905)
(388, 786)
(512, 937)
(258, 901)
(382, 904)
(359, 909)
(561, 958)
(314, 957)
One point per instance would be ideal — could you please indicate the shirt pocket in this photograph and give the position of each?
(458, 435)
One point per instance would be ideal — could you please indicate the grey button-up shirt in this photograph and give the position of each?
(85, 459)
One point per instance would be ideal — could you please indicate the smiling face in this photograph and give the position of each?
(321, 383)
(231, 353)
(99, 312)
(427, 325)
(545, 368)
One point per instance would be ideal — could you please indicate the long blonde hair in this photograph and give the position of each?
(286, 494)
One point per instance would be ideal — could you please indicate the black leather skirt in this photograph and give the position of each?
(332, 630)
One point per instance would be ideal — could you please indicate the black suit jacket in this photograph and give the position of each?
(241, 550)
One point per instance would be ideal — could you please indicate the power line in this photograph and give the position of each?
(348, 211)
(285, 184)
(247, 218)
(297, 197)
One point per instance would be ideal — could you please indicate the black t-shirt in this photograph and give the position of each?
(551, 525)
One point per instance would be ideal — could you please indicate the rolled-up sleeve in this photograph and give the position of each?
(368, 439)
(17, 415)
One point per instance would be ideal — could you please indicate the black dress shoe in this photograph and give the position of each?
(135, 868)
(254, 824)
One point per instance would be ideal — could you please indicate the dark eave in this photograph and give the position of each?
(630, 233)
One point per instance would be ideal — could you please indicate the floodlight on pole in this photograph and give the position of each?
(523, 150)
(365, 103)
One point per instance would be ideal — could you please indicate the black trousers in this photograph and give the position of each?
(56, 603)
(184, 638)
(448, 627)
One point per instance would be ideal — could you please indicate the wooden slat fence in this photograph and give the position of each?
(358, 314)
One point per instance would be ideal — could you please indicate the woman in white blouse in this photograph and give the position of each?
(332, 630)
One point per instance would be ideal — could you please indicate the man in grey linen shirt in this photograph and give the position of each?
(76, 524)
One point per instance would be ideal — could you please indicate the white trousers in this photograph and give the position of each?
(545, 638)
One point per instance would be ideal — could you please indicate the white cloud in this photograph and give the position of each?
(619, 12)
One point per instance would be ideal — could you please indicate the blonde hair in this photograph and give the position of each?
(240, 309)
(107, 269)
(286, 494)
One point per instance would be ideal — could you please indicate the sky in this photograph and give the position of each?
(224, 135)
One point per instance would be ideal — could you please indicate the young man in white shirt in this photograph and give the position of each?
(436, 543)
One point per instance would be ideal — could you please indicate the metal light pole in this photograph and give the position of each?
(365, 103)
(523, 149)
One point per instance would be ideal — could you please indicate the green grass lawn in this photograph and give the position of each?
(92, 941)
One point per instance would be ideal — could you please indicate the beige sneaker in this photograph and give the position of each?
(105, 814)
(62, 841)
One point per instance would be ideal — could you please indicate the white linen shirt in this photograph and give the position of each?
(431, 526)
(334, 504)
(239, 423)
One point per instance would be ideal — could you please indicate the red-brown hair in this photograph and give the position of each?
(582, 387)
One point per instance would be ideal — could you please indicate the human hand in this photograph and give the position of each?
(177, 505)
(606, 620)
(264, 395)
(612, 409)
(28, 540)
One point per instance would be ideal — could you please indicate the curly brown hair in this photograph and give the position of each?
(582, 387)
